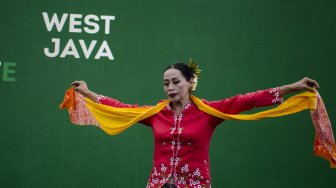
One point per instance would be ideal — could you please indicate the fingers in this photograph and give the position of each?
(79, 86)
(311, 83)
(77, 83)
(310, 88)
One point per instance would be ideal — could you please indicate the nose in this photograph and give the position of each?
(171, 86)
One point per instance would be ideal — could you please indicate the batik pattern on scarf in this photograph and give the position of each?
(78, 112)
(324, 145)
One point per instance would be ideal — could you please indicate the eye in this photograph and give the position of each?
(176, 82)
(166, 83)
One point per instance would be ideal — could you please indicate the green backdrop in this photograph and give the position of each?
(241, 46)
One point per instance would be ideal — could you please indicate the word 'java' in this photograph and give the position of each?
(90, 24)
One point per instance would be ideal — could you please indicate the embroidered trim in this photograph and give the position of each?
(276, 94)
(187, 178)
(99, 97)
(185, 107)
(174, 160)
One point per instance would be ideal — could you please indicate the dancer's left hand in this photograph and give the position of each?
(305, 83)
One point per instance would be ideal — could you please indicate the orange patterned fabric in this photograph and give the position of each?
(69, 100)
(76, 106)
(324, 145)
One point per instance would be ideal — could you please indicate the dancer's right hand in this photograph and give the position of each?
(80, 86)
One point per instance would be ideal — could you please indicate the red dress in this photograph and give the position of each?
(182, 140)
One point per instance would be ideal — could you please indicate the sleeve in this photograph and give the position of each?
(115, 103)
(248, 101)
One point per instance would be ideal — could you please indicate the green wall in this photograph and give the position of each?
(241, 46)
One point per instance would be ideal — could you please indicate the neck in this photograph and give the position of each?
(179, 105)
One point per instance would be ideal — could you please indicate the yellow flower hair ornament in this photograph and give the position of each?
(196, 72)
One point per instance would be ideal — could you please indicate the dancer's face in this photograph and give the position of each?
(175, 85)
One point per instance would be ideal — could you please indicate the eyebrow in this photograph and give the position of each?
(172, 79)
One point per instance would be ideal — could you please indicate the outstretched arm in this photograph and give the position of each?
(239, 103)
(82, 88)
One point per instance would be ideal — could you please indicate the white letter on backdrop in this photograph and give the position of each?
(87, 51)
(54, 21)
(70, 49)
(107, 22)
(56, 49)
(74, 23)
(104, 50)
(95, 26)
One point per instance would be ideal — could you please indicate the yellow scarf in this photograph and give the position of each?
(115, 120)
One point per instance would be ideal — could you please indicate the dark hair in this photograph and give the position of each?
(186, 71)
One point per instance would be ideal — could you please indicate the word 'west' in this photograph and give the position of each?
(77, 23)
